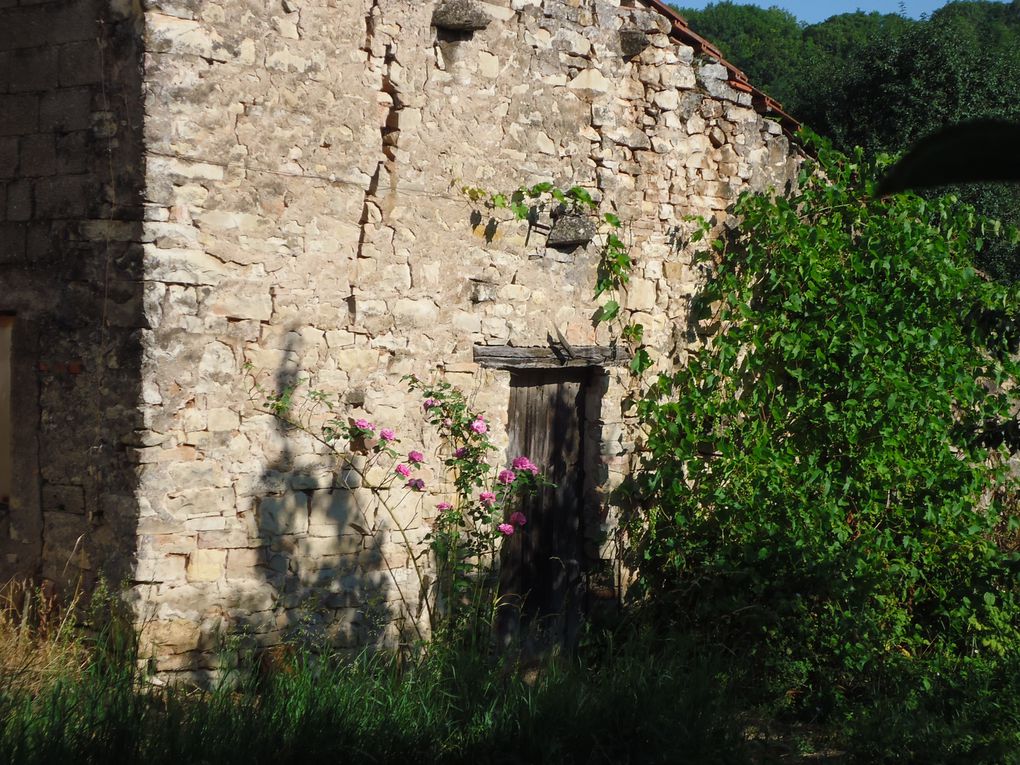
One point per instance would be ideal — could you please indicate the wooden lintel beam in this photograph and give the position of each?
(510, 357)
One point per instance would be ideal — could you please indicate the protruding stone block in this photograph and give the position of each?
(460, 16)
(571, 231)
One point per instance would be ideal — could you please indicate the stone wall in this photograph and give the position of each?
(302, 214)
(70, 210)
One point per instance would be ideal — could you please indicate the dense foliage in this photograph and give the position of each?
(885, 81)
(826, 476)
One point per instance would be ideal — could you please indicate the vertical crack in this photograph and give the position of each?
(380, 67)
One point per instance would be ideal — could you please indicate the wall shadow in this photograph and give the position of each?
(71, 233)
(325, 553)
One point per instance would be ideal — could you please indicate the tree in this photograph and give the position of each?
(886, 82)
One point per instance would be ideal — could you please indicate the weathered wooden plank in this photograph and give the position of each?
(541, 583)
(510, 357)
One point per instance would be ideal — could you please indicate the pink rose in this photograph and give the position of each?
(387, 435)
(403, 470)
(487, 498)
(444, 506)
(461, 452)
(364, 425)
(523, 463)
(417, 484)
(415, 457)
(479, 426)
(507, 529)
(430, 403)
(506, 476)
(518, 518)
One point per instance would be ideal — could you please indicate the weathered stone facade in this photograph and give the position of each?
(71, 173)
(285, 193)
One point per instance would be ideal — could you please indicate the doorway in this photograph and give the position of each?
(542, 582)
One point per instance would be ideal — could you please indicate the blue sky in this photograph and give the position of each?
(813, 11)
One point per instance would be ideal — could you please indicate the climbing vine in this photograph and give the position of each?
(615, 262)
(478, 505)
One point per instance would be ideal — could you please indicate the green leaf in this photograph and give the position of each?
(641, 362)
(608, 311)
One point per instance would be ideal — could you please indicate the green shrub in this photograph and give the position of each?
(825, 478)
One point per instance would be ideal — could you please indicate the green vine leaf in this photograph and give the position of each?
(608, 311)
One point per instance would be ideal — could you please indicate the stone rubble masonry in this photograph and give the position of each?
(299, 211)
(71, 174)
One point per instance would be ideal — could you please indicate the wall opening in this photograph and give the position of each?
(6, 425)
(542, 571)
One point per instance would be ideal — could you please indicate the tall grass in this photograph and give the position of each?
(71, 692)
(623, 705)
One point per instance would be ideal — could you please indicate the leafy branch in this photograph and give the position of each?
(614, 259)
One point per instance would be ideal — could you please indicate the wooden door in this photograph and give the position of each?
(541, 584)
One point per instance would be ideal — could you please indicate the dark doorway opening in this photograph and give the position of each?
(542, 573)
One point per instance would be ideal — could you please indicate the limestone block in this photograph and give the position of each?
(667, 100)
(466, 322)
(226, 539)
(206, 565)
(591, 79)
(202, 474)
(167, 569)
(418, 313)
(283, 515)
(218, 363)
(160, 545)
(159, 637)
(571, 231)
(641, 294)
(189, 503)
(311, 478)
(488, 66)
(181, 169)
(337, 338)
(243, 563)
(184, 36)
(568, 40)
(680, 77)
(630, 137)
(240, 299)
(181, 266)
(206, 523)
(330, 512)
(326, 545)
(633, 41)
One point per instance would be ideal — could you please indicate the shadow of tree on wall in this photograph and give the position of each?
(326, 551)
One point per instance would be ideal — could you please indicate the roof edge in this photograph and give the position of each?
(763, 103)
